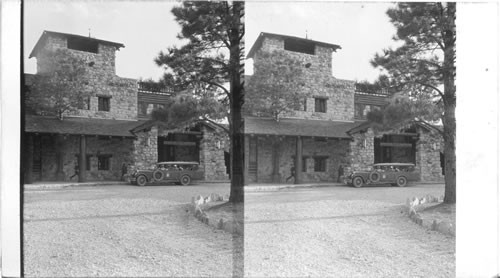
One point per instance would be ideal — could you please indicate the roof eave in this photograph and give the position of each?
(45, 33)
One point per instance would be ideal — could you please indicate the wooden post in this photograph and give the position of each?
(298, 161)
(276, 160)
(59, 156)
(28, 177)
(82, 169)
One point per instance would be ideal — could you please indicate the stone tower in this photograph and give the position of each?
(328, 98)
(98, 54)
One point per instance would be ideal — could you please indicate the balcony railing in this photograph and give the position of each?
(154, 88)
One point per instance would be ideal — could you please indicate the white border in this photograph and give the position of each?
(10, 138)
(477, 140)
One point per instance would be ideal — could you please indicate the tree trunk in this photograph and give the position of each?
(236, 103)
(449, 99)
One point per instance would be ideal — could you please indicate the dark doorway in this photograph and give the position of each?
(252, 160)
(395, 148)
(179, 147)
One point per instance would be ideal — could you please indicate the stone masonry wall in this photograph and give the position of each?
(362, 151)
(69, 147)
(335, 150)
(428, 160)
(319, 83)
(212, 147)
(145, 152)
(99, 79)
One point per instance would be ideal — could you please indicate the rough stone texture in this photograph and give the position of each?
(319, 82)
(335, 150)
(428, 160)
(99, 78)
(212, 147)
(362, 151)
(68, 149)
(145, 152)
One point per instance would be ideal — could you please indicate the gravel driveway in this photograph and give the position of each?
(302, 234)
(121, 232)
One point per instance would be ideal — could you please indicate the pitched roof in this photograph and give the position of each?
(298, 127)
(46, 34)
(258, 42)
(80, 126)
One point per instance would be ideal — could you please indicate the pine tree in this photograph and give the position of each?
(212, 59)
(422, 70)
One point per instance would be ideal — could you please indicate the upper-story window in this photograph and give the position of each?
(104, 103)
(300, 46)
(361, 110)
(83, 45)
(320, 105)
(143, 108)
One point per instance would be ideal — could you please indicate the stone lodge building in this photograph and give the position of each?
(329, 130)
(113, 129)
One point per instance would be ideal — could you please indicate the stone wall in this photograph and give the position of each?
(335, 150)
(362, 151)
(145, 152)
(99, 80)
(67, 148)
(212, 147)
(428, 159)
(319, 83)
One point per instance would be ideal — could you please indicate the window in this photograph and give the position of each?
(320, 164)
(301, 46)
(83, 44)
(320, 105)
(143, 108)
(104, 102)
(305, 104)
(157, 106)
(84, 104)
(361, 110)
(103, 162)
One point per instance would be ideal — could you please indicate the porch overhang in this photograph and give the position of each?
(79, 126)
(298, 127)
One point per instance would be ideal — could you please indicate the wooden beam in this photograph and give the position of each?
(298, 160)
(179, 143)
(397, 145)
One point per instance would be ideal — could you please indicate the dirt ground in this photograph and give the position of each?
(309, 234)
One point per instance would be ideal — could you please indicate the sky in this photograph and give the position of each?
(147, 27)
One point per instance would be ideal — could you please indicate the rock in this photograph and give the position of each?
(198, 212)
(215, 197)
(198, 200)
(444, 227)
(220, 225)
(434, 225)
(414, 202)
(412, 212)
